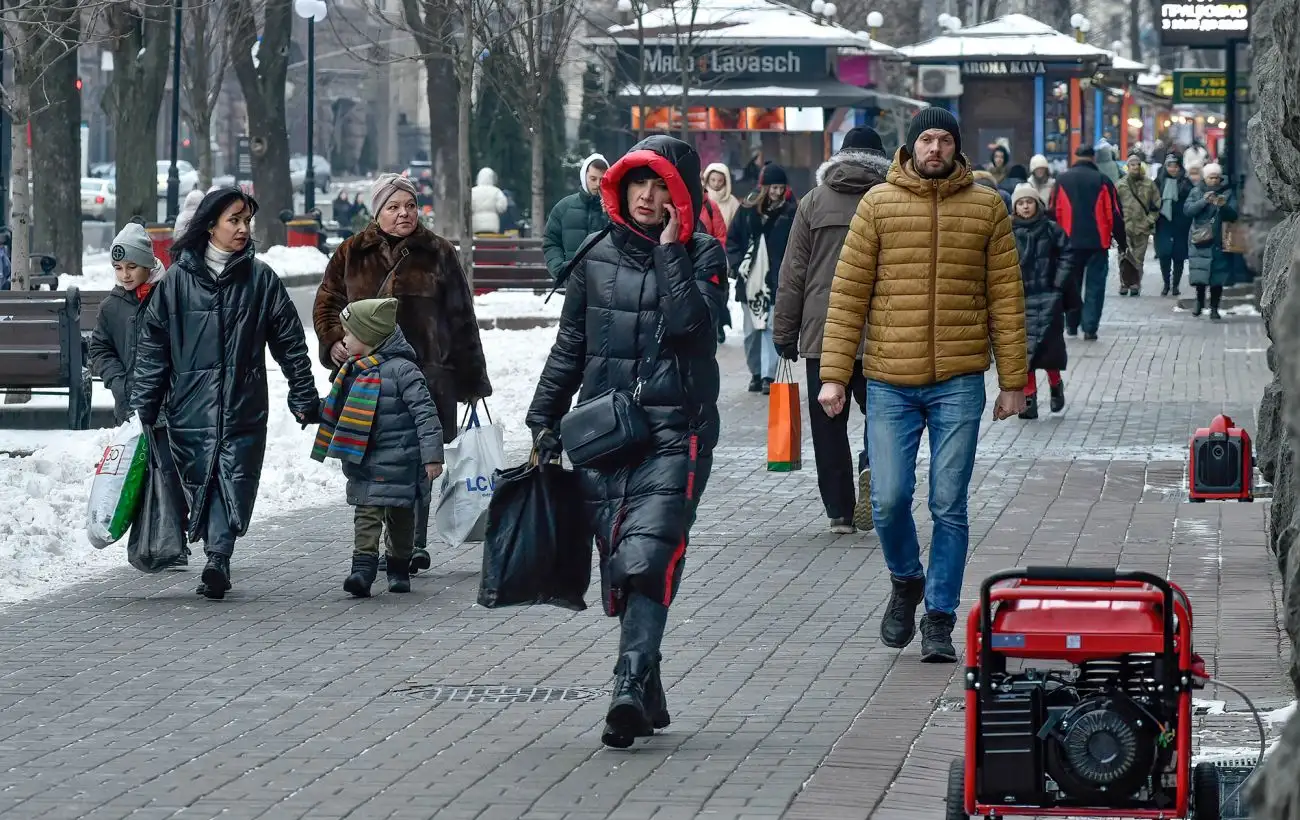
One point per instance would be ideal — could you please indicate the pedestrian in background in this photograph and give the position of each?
(1139, 201)
(1050, 288)
(1172, 222)
(201, 359)
(1040, 176)
(1212, 202)
(939, 300)
(1086, 204)
(988, 180)
(381, 423)
(999, 163)
(192, 200)
(756, 245)
(648, 290)
(820, 225)
(717, 184)
(575, 217)
(487, 203)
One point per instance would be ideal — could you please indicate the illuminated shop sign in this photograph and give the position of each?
(1205, 24)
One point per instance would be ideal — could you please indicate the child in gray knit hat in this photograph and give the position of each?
(121, 316)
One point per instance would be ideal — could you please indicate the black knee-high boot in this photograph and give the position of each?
(637, 706)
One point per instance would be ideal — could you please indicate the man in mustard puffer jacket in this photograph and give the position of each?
(930, 268)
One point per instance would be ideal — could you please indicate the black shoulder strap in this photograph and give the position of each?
(583, 250)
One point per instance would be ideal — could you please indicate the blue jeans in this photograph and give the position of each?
(1093, 266)
(760, 350)
(951, 410)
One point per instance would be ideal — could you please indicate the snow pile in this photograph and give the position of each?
(97, 267)
(42, 536)
(517, 303)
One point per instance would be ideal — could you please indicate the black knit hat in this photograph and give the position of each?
(772, 174)
(863, 138)
(1085, 151)
(932, 117)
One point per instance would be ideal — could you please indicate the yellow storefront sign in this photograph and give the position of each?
(1207, 87)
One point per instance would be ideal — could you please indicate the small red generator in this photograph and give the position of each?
(1221, 467)
(1106, 730)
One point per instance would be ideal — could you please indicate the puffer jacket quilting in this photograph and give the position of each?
(1209, 264)
(641, 514)
(931, 267)
(571, 221)
(1046, 271)
(113, 345)
(404, 435)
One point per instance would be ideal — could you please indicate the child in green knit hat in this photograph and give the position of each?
(381, 422)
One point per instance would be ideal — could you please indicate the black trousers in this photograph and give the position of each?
(1171, 271)
(836, 478)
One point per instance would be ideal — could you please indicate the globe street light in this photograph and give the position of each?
(313, 11)
(874, 21)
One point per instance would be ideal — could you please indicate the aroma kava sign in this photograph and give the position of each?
(731, 63)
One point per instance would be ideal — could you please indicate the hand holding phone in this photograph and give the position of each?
(671, 229)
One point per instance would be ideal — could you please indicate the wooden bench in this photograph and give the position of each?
(42, 351)
(90, 303)
(510, 264)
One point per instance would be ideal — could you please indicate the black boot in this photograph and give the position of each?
(1215, 316)
(1058, 397)
(364, 570)
(656, 701)
(766, 388)
(399, 574)
(216, 577)
(755, 384)
(936, 638)
(420, 560)
(627, 718)
(898, 627)
(1031, 408)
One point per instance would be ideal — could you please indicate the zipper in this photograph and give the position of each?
(934, 278)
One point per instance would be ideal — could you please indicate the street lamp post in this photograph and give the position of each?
(4, 137)
(874, 21)
(173, 172)
(313, 11)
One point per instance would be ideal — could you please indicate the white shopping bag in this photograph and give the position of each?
(470, 463)
(119, 485)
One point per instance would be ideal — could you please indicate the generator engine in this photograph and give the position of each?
(1098, 733)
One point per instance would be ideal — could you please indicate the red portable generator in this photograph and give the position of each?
(1105, 731)
(1221, 466)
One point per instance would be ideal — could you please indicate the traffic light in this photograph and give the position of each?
(78, 83)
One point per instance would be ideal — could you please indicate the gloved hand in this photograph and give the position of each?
(310, 416)
(789, 352)
(547, 444)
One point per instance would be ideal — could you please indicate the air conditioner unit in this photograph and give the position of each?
(938, 81)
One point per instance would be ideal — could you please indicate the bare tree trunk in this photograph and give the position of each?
(20, 211)
(1056, 14)
(464, 102)
(202, 128)
(205, 56)
(56, 150)
(141, 52)
(445, 144)
(1135, 30)
(539, 173)
(263, 86)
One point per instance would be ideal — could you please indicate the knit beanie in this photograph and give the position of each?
(1038, 161)
(132, 244)
(772, 174)
(1026, 191)
(1085, 152)
(383, 189)
(932, 117)
(863, 138)
(1212, 169)
(370, 320)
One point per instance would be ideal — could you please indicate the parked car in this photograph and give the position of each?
(104, 170)
(98, 198)
(189, 178)
(298, 172)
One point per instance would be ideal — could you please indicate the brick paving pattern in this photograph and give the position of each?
(130, 697)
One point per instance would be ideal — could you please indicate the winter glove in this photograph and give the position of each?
(547, 445)
(309, 416)
(789, 352)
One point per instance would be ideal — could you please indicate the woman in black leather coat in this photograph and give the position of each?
(650, 265)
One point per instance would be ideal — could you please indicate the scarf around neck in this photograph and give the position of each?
(1169, 197)
(348, 414)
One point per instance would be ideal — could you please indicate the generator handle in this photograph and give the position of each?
(1103, 575)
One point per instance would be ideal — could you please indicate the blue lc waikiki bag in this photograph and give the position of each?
(468, 481)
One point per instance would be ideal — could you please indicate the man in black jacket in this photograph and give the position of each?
(1086, 204)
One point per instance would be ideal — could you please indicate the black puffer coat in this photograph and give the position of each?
(203, 349)
(1047, 272)
(641, 515)
(1171, 234)
(113, 344)
(749, 225)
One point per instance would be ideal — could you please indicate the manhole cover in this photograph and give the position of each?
(443, 693)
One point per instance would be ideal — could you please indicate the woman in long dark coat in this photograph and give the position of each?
(1213, 202)
(1173, 188)
(1047, 273)
(650, 267)
(203, 350)
(397, 256)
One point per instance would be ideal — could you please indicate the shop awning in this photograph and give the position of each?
(810, 94)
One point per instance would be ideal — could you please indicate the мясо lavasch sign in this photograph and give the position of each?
(1204, 24)
(723, 63)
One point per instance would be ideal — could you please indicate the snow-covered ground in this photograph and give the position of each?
(97, 267)
(42, 535)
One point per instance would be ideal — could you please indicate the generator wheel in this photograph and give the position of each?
(957, 791)
(1205, 792)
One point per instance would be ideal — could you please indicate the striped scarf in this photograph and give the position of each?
(347, 415)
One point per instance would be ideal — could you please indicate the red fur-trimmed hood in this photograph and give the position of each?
(676, 163)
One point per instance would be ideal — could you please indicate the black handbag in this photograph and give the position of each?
(611, 429)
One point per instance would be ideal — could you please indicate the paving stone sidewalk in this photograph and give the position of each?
(128, 696)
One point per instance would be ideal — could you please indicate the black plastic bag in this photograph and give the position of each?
(157, 538)
(538, 545)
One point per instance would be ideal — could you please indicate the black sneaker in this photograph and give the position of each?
(767, 386)
(1123, 291)
(1031, 408)
(420, 561)
(936, 638)
(1071, 331)
(1197, 311)
(1058, 397)
(1215, 316)
(1090, 337)
(1164, 291)
(1135, 292)
(898, 627)
(216, 577)
(756, 384)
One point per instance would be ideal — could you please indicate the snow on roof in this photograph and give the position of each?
(749, 22)
(1009, 36)
(1118, 63)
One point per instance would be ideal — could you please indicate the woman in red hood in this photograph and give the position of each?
(642, 299)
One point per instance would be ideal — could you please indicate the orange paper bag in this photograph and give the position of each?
(784, 423)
